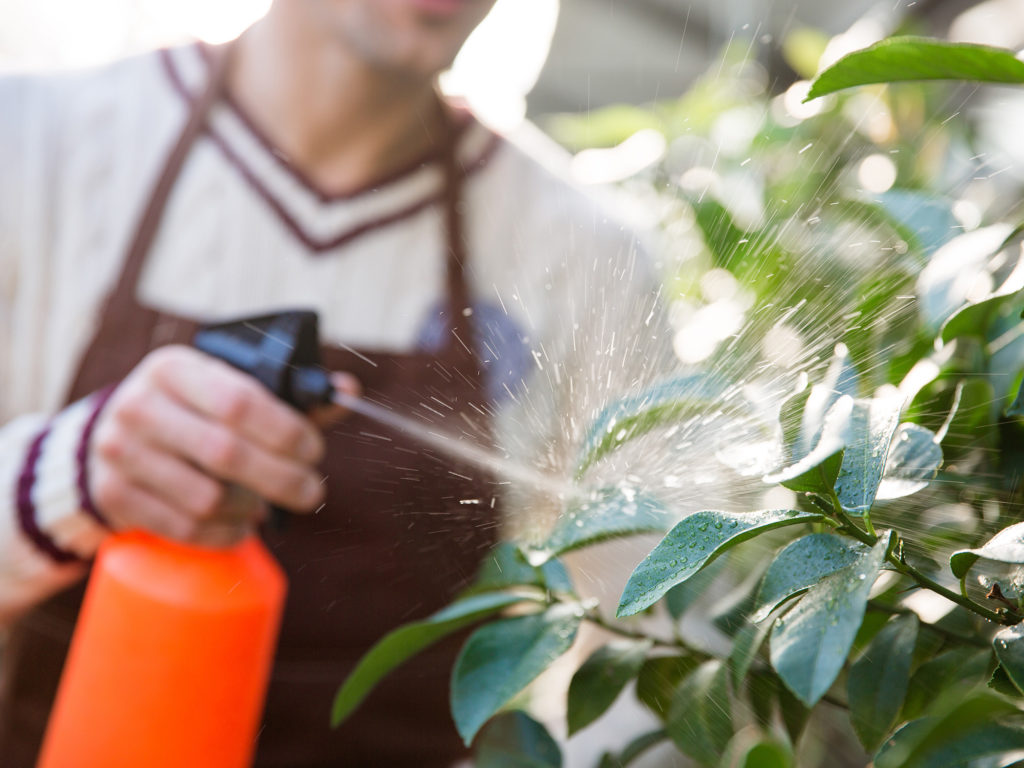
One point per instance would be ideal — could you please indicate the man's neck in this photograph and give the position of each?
(335, 118)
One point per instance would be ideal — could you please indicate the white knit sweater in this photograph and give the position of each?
(243, 233)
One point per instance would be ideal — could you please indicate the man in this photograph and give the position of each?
(311, 163)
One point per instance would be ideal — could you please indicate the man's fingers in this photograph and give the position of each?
(238, 401)
(176, 482)
(148, 511)
(226, 455)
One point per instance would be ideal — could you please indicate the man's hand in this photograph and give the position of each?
(188, 447)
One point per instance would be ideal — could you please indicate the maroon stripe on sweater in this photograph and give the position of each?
(27, 508)
(85, 501)
(312, 243)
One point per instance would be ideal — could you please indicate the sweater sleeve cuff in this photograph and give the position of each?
(55, 511)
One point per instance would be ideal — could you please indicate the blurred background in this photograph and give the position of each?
(548, 55)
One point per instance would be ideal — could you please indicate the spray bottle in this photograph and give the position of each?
(171, 656)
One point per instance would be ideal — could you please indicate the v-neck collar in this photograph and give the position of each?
(321, 221)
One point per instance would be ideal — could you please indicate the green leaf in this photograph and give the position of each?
(659, 676)
(691, 544)
(515, 740)
(945, 671)
(929, 219)
(766, 753)
(406, 641)
(762, 692)
(1000, 682)
(816, 472)
(801, 565)
(964, 729)
(810, 643)
(878, 680)
(975, 319)
(872, 425)
(608, 513)
(633, 750)
(501, 658)
(991, 740)
(794, 714)
(914, 460)
(731, 613)
(1017, 406)
(506, 566)
(1009, 647)
(681, 597)
(600, 680)
(917, 58)
(1007, 546)
(744, 649)
(663, 403)
(700, 719)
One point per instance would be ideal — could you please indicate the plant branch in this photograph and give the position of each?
(956, 637)
(900, 563)
(594, 617)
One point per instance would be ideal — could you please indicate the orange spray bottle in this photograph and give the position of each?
(172, 652)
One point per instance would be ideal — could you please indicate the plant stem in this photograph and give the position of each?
(901, 565)
(874, 605)
(596, 618)
(906, 568)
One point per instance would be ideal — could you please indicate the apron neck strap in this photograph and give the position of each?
(457, 304)
(149, 222)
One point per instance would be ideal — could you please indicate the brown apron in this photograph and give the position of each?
(402, 531)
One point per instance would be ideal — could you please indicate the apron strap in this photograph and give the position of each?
(123, 296)
(461, 326)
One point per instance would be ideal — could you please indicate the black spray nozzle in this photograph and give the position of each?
(282, 351)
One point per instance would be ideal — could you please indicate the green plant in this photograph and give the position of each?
(908, 417)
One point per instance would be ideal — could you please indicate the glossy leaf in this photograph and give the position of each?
(503, 657)
(633, 750)
(506, 566)
(1016, 408)
(816, 471)
(401, 644)
(917, 58)
(975, 319)
(914, 460)
(747, 643)
(1007, 546)
(700, 717)
(607, 514)
(1009, 647)
(600, 680)
(515, 740)
(801, 565)
(659, 676)
(964, 729)
(681, 597)
(878, 680)
(691, 544)
(947, 670)
(872, 425)
(810, 643)
(661, 404)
